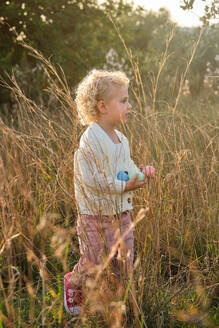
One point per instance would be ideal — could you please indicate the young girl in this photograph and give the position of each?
(103, 198)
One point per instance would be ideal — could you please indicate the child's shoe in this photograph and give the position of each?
(72, 298)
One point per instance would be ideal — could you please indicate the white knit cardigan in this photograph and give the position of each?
(97, 162)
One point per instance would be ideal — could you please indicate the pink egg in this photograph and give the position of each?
(150, 171)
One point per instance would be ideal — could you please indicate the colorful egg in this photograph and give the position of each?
(122, 176)
(150, 171)
(141, 176)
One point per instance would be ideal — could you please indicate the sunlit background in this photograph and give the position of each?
(178, 15)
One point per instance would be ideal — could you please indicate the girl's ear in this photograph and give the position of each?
(101, 107)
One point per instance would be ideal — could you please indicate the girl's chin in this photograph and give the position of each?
(123, 120)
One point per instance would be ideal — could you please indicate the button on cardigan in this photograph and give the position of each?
(97, 162)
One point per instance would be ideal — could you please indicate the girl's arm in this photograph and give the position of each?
(133, 167)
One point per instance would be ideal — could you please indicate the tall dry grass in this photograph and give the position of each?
(175, 282)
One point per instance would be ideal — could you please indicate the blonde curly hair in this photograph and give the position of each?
(96, 86)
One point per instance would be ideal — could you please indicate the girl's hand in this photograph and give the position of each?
(149, 171)
(133, 184)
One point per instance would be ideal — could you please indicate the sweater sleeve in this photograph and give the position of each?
(132, 166)
(91, 171)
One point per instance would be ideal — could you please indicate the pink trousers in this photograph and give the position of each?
(97, 236)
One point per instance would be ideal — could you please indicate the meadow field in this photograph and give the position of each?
(176, 277)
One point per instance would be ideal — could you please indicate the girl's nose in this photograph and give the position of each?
(129, 106)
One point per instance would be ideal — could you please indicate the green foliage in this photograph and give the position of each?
(78, 35)
(205, 58)
(74, 34)
(53, 27)
(211, 9)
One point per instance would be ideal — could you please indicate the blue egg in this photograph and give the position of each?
(122, 176)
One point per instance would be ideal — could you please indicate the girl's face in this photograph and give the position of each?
(117, 106)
